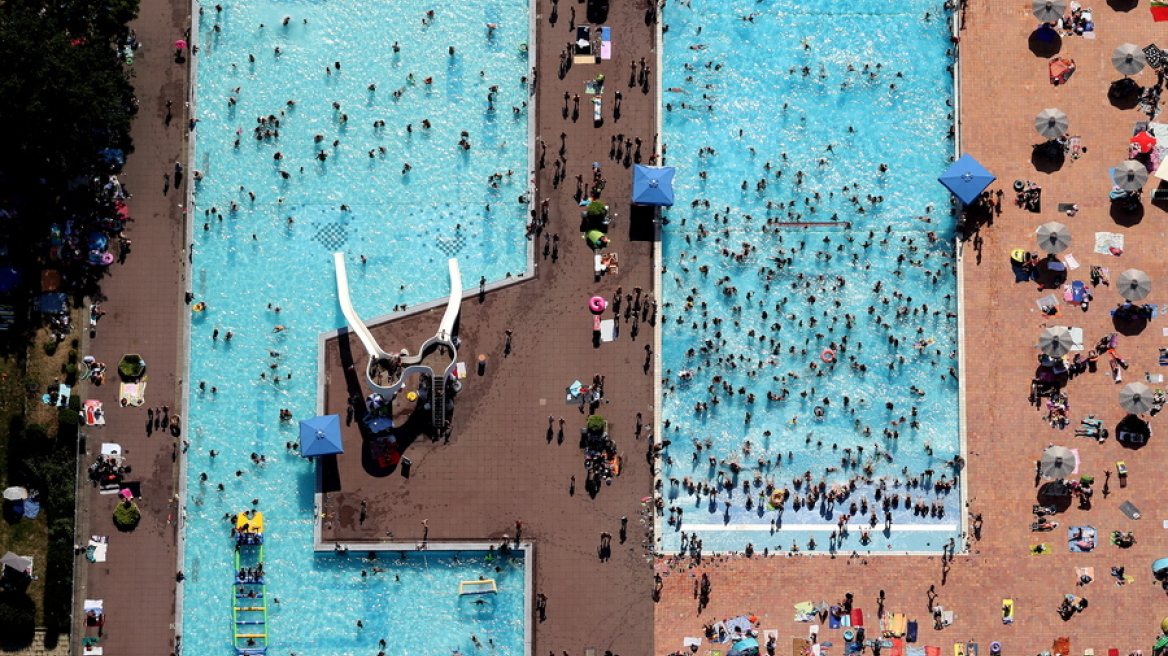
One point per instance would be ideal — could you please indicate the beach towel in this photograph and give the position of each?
(1081, 538)
(1078, 461)
(691, 642)
(132, 394)
(1072, 263)
(1020, 273)
(958, 649)
(1048, 301)
(1007, 611)
(800, 647)
(932, 651)
(739, 626)
(972, 649)
(1062, 646)
(833, 620)
(1129, 509)
(913, 629)
(1105, 241)
(96, 551)
(914, 651)
(899, 625)
(606, 43)
(1080, 572)
(769, 635)
(897, 647)
(857, 617)
(1040, 549)
(608, 331)
(94, 415)
(720, 631)
(1076, 339)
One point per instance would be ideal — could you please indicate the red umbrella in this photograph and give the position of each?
(1144, 140)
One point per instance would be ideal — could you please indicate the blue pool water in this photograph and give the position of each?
(256, 271)
(778, 86)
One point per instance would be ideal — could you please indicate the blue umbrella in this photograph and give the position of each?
(653, 185)
(321, 436)
(967, 179)
(745, 647)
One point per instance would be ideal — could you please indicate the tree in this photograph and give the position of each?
(64, 93)
(127, 515)
(17, 619)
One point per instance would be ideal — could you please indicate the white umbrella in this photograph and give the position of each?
(1051, 123)
(1136, 398)
(1049, 11)
(1133, 284)
(15, 493)
(1129, 59)
(1130, 175)
(1056, 341)
(1053, 237)
(1057, 462)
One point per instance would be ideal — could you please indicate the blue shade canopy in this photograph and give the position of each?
(653, 185)
(321, 436)
(966, 178)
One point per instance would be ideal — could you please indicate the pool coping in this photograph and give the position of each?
(958, 261)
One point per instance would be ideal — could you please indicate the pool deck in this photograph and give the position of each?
(1004, 86)
(499, 466)
(145, 316)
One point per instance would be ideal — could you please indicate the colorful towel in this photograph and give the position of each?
(1040, 549)
(1007, 611)
(132, 394)
(1105, 241)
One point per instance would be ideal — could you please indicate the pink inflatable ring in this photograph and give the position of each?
(597, 304)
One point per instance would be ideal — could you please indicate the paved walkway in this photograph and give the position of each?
(145, 315)
(1004, 86)
(500, 465)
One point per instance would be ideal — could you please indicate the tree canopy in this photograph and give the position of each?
(64, 90)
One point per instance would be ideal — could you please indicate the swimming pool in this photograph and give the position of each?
(264, 229)
(808, 138)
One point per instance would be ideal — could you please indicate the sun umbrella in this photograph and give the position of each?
(1049, 11)
(1136, 398)
(15, 493)
(1058, 462)
(1130, 175)
(321, 436)
(1055, 341)
(1133, 284)
(1129, 59)
(1144, 140)
(1053, 237)
(1051, 123)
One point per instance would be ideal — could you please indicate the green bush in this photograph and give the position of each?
(75, 403)
(596, 424)
(50, 348)
(127, 516)
(596, 208)
(132, 366)
(67, 416)
(73, 355)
